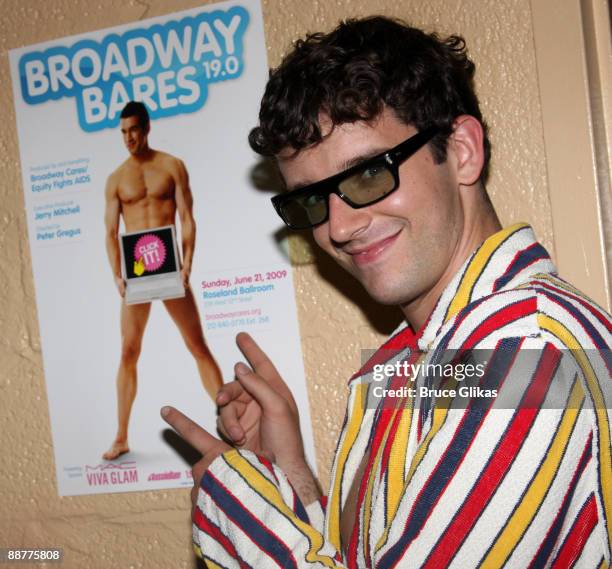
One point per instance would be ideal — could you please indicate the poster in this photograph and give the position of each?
(201, 74)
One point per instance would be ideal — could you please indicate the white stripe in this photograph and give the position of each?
(550, 506)
(438, 445)
(464, 479)
(268, 515)
(508, 495)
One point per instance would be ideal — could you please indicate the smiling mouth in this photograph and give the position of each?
(374, 251)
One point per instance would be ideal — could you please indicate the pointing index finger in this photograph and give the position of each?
(195, 435)
(258, 359)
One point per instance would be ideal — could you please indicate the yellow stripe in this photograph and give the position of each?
(367, 500)
(211, 564)
(198, 551)
(397, 460)
(558, 283)
(440, 413)
(540, 483)
(352, 430)
(603, 427)
(475, 267)
(439, 418)
(263, 486)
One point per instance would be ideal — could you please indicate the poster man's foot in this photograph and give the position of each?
(116, 450)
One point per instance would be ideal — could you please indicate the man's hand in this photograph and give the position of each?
(185, 274)
(120, 284)
(257, 412)
(209, 446)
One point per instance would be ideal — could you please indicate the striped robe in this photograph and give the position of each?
(445, 485)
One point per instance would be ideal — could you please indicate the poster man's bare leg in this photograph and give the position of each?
(133, 321)
(185, 314)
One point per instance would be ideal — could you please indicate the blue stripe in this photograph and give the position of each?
(526, 257)
(442, 346)
(492, 258)
(507, 432)
(459, 318)
(299, 509)
(518, 502)
(500, 362)
(601, 344)
(275, 548)
(241, 561)
(540, 560)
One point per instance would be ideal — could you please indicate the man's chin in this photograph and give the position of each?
(379, 288)
(386, 295)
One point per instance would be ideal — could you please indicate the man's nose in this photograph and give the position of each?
(346, 222)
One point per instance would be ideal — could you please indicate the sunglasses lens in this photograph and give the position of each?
(361, 188)
(368, 185)
(305, 211)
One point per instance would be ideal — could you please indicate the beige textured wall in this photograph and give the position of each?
(152, 529)
(574, 128)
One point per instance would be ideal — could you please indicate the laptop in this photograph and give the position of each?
(150, 265)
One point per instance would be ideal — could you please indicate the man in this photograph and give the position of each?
(149, 189)
(378, 136)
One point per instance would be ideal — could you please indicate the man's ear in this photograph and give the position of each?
(467, 144)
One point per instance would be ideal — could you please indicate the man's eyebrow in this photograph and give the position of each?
(349, 163)
(297, 186)
(355, 160)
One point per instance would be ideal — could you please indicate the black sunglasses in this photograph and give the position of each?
(359, 186)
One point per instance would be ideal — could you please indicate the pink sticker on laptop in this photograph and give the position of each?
(151, 250)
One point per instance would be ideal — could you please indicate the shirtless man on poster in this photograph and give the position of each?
(148, 190)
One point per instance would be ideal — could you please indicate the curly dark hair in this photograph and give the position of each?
(350, 73)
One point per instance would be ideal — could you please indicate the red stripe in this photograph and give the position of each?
(427, 483)
(380, 426)
(385, 417)
(456, 532)
(578, 535)
(440, 464)
(499, 319)
(544, 550)
(404, 339)
(323, 502)
(265, 462)
(496, 469)
(249, 517)
(204, 525)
